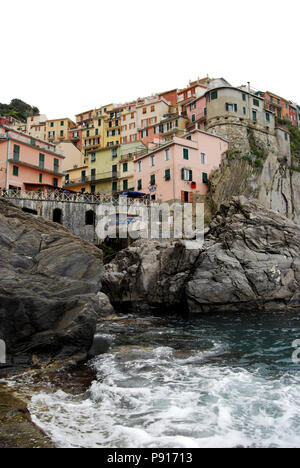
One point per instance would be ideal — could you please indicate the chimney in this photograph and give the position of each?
(249, 87)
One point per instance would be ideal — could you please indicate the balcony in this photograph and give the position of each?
(95, 178)
(55, 171)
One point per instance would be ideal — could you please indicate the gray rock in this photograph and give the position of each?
(49, 282)
(250, 261)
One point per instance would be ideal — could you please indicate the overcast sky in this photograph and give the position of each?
(67, 56)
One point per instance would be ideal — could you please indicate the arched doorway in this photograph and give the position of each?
(57, 216)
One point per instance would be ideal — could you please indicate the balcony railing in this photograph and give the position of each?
(93, 178)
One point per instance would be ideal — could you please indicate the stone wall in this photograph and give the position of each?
(73, 215)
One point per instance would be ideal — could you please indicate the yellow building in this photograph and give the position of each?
(58, 129)
(104, 170)
(76, 179)
(172, 125)
(94, 136)
(112, 127)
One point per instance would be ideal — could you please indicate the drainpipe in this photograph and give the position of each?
(7, 163)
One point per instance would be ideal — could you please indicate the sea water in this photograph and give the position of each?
(213, 381)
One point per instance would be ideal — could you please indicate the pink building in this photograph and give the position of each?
(27, 163)
(196, 113)
(181, 168)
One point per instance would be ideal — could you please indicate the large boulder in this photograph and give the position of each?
(49, 284)
(149, 275)
(250, 261)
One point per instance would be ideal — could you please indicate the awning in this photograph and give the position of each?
(132, 194)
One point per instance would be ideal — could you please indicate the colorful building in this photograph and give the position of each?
(58, 129)
(180, 169)
(27, 163)
(76, 180)
(128, 153)
(196, 113)
(76, 136)
(276, 104)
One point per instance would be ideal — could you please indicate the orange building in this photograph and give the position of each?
(276, 104)
(27, 163)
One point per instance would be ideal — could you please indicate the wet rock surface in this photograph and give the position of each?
(49, 281)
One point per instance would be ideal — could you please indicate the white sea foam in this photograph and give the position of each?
(153, 399)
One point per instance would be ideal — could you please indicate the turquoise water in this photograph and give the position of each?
(215, 381)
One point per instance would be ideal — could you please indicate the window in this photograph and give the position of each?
(55, 182)
(115, 170)
(61, 133)
(193, 117)
(15, 171)
(115, 153)
(204, 177)
(62, 123)
(96, 131)
(87, 133)
(254, 116)
(256, 102)
(56, 165)
(83, 176)
(185, 154)
(125, 167)
(267, 117)
(187, 174)
(152, 161)
(140, 184)
(244, 97)
(152, 108)
(16, 154)
(203, 158)
(99, 123)
(140, 166)
(52, 124)
(152, 179)
(214, 95)
(67, 179)
(145, 110)
(278, 102)
(42, 161)
(189, 138)
(115, 186)
(125, 184)
(93, 174)
(271, 98)
(167, 154)
(93, 157)
(168, 174)
(40, 178)
(286, 136)
(231, 107)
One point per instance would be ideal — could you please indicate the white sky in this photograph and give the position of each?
(67, 56)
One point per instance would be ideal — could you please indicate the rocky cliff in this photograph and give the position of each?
(258, 165)
(49, 283)
(250, 261)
